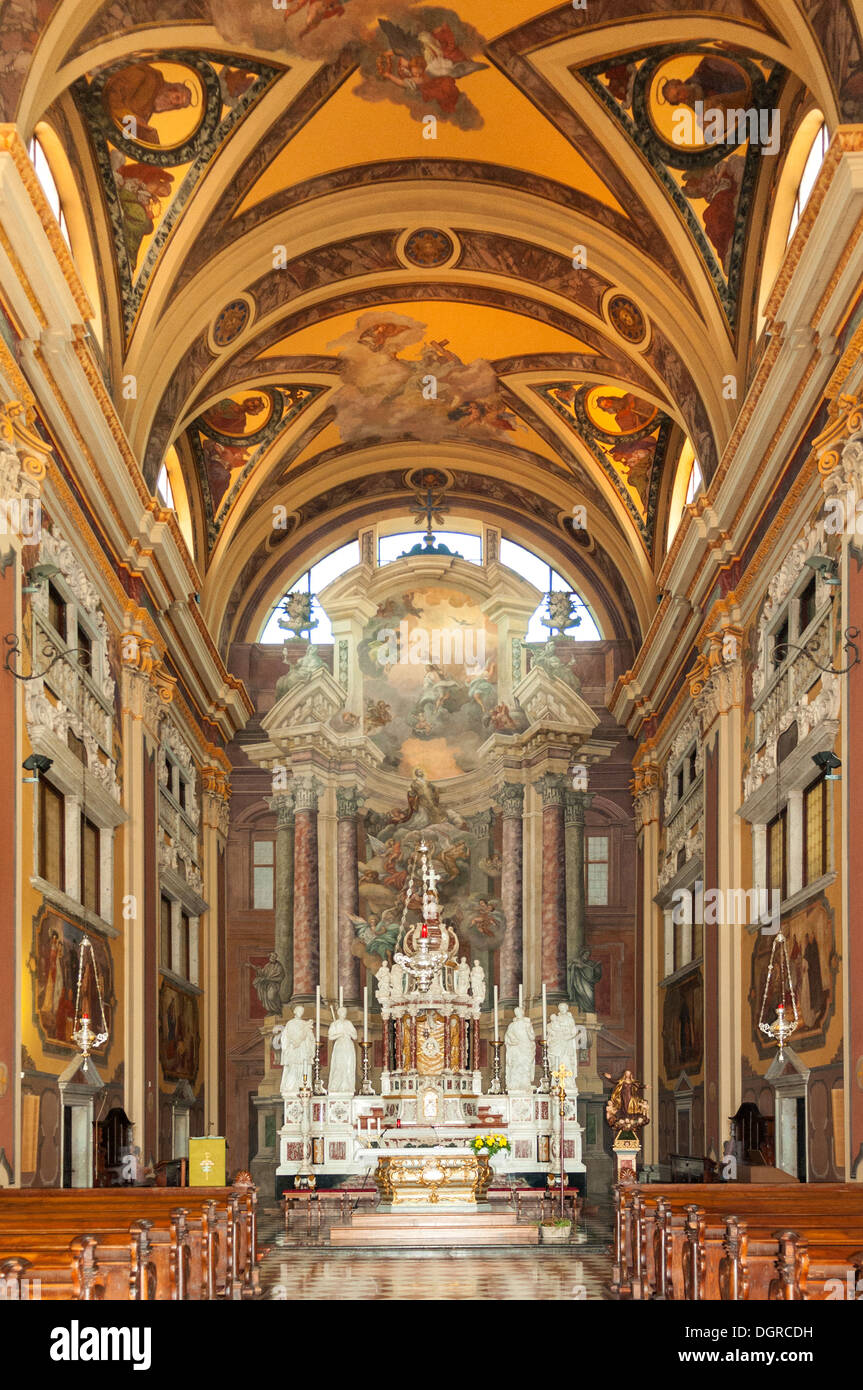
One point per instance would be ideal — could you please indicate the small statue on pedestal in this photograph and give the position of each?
(342, 1035)
(383, 983)
(462, 977)
(520, 1041)
(296, 1042)
(477, 984)
(564, 1038)
(626, 1108)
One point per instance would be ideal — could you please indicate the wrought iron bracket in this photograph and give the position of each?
(849, 645)
(14, 651)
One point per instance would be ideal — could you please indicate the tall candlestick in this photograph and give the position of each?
(365, 1013)
(318, 1012)
(495, 1015)
(544, 1013)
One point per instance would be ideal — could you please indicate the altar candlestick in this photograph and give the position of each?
(544, 1013)
(318, 1013)
(496, 1038)
(365, 1013)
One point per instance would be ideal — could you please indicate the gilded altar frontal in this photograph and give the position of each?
(431, 583)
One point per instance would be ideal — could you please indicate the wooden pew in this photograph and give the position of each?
(61, 1264)
(220, 1225)
(663, 1250)
(785, 1265)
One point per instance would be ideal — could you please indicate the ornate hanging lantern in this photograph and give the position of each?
(419, 961)
(779, 1030)
(82, 1034)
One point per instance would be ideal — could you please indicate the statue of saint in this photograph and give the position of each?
(296, 1041)
(462, 977)
(626, 1107)
(520, 1041)
(564, 1039)
(342, 1035)
(268, 983)
(584, 975)
(477, 983)
(383, 983)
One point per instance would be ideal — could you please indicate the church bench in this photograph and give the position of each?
(113, 1264)
(705, 1248)
(650, 1223)
(221, 1223)
(168, 1240)
(688, 1247)
(788, 1266)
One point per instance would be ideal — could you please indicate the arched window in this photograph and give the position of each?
(40, 163)
(164, 491)
(392, 547)
(313, 581)
(814, 160)
(696, 482)
(543, 577)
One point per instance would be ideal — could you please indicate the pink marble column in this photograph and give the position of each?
(307, 926)
(347, 801)
(553, 886)
(510, 798)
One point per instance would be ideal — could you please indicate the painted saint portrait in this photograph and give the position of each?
(57, 979)
(179, 1038)
(156, 104)
(683, 1026)
(712, 79)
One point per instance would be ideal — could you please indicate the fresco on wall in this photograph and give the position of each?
(683, 1026)
(155, 122)
(56, 979)
(418, 57)
(178, 1033)
(627, 435)
(429, 665)
(814, 963)
(673, 101)
(396, 382)
(467, 872)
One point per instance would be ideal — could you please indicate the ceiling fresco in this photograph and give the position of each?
(335, 239)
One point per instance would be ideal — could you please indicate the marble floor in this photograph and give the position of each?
(296, 1266)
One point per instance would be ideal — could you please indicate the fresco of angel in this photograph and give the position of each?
(427, 65)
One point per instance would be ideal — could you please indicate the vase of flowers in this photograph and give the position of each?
(496, 1146)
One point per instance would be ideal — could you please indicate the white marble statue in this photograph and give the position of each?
(462, 977)
(565, 1037)
(477, 983)
(396, 983)
(342, 1035)
(296, 1042)
(383, 982)
(520, 1041)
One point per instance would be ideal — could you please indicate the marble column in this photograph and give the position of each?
(283, 805)
(347, 801)
(511, 801)
(553, 956)
(575, 805)
(307, 925)
(480, 827)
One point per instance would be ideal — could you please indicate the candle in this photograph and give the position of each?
(365, 1013)
(317, 1013)
(521, 996)
(341, 996)
(544, 1013)
(496, 1038)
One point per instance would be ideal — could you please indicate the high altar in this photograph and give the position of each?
(430, 721)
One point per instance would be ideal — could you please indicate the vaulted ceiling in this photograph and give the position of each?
(340, 241)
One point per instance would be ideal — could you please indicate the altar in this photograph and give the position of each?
(418, 1140)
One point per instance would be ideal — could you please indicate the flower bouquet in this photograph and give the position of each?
(491, 1144)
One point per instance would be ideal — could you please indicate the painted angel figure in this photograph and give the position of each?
(379, 933)
(427, 65)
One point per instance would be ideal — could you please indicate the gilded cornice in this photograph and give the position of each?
(11, 142)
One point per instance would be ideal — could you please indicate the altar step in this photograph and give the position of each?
(441, 1228)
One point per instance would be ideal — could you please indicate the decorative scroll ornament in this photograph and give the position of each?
(784, 1024)
(82, 1034)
